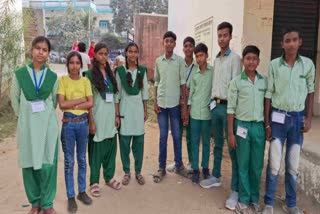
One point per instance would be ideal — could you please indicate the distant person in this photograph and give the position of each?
(119, 60)
(75, 46)
(33, 97)
(91, 49)
(86, 63)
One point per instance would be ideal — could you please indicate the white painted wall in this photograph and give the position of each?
(184, 14)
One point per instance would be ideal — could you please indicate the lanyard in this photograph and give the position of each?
(35, 80)
(189, 73)
(106, 81)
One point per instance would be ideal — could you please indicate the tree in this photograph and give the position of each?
(113, 42)
(124, 11)
(66, 27)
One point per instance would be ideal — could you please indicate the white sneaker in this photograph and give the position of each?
(171, 167)
(210, 182)
(189, 168)
(268, 210)
(232, 200)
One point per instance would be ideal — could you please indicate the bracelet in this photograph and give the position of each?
(268, 126)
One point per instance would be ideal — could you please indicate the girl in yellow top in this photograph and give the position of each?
(75, 99)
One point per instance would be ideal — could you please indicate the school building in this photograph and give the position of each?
(257, 22)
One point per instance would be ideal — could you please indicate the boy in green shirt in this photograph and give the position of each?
(198, 106)
(288, 103)
(246, 130)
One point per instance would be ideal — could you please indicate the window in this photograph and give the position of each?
(103, 24)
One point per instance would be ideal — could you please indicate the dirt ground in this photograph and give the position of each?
(174, 195)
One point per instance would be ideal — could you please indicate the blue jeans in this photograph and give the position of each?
(163, 118)
(289, 132)
(74, 134)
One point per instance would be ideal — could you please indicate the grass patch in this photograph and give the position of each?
(152, 117)
(8, 121)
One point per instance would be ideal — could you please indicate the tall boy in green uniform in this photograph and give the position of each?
(227, 65)
(246, 128)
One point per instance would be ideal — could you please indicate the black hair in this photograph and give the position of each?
(250, 49)
(201, 47)
(139, 75)
(82, 47)
(189, 39)
(72, 54)
(97, 77)
(39, 39)
(290, 29)
(170, 34)
(225, 25)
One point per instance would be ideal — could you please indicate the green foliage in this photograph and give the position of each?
(113, 42)
(66, 27)
(124, 11)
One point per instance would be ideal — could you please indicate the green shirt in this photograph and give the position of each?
(200, 91)
(131, 107)
(246, 98)
(224, 70)
(169, 75)
(288, 86)
(188, 70)
(37, 133)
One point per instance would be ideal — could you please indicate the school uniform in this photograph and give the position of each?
(189, 70)
(74, 132)
(169, 77)
(199, 100)
(288, 88)
(225, 69)
(131, 99)
(246, 103)
(102, 146)
(33, 97)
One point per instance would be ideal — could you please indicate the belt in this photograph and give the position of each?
(73, 120)
(220, 101)
(288, 113)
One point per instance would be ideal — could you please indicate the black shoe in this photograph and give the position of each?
(72, 205)
(84, 198)
(206, 173)
(195, 176)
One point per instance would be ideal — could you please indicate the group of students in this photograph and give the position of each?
(222, 99)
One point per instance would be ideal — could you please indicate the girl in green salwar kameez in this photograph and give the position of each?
(33, 96)
(132, 99)
(104, 119)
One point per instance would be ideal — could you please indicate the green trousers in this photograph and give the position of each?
(188, 139)
(219, 130)
(250, 156)
(137, 150)
(200, 128)
(102, 153)
(41, 185)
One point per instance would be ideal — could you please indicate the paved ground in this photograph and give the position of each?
(174, 195)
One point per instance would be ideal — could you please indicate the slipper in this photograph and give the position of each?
(140, 179)
(114, 184)
(157, 177)
(95, 190)
(126, 179)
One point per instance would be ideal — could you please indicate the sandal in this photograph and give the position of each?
(95, 190)
(159, 175)
(114, 184)
(140, 179)
(34, 210)
(126, 179)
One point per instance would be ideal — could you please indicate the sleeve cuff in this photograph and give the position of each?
(268, 95)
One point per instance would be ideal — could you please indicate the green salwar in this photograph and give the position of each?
(219, 129)
(41, 184)
(137, 150)
(250, 157)
(188, 140)
(200, 128)
(102, 153)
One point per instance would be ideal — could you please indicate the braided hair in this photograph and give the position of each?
(139, 75)
(97, 77)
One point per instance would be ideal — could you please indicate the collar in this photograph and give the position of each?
(282, 60)
(227, 53)
(199, 71)
(42, 67)
(187, 66)
(173, 57)
(245, 77)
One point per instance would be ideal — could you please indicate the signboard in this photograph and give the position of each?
(203, 32)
